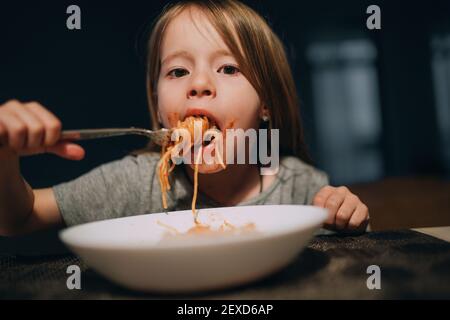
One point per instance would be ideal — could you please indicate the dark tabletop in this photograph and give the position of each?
(413, 265)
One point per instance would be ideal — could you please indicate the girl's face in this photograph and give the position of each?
(199, 76)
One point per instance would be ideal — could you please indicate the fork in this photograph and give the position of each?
(159, 137)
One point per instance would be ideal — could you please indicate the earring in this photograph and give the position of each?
(265, 118)
(158, 115)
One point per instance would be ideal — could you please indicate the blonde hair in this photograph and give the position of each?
(261, 58)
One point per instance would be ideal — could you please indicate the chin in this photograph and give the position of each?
(208, 168)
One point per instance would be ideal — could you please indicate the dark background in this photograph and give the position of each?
(375, 103)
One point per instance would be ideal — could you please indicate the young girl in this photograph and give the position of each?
(218, 59)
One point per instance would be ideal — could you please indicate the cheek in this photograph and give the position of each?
(243, 105)
(170, 101)
(172, 119)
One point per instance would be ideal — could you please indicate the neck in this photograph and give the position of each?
(231, 186)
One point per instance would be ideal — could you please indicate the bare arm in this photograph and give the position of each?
(45, 212)
(26, 129)
(16, 197)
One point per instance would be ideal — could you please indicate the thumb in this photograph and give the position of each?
(67, 150)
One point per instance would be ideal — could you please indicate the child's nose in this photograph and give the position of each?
(194, 93)
(201, 87)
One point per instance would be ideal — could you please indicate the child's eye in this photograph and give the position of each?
(229, 69)
(178, 73)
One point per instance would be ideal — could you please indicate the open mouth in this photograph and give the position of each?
(201, 113)
(208, 123)
(212, 126)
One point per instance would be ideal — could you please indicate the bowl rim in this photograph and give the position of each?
(321, 216)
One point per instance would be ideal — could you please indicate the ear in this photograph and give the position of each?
(264, 113)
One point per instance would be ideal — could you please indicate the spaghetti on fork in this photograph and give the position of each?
(166, 163)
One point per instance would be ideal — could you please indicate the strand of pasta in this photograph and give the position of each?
(194, 197)
(165, 167)
(219, 155)
(164, 174)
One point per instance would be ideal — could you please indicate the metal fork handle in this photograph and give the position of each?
(86, 134)
(159, 137)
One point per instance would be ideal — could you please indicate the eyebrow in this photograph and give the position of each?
(187, 55)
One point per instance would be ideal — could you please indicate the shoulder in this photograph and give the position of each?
(132, 162)
(128, 171)
(114, 189)
(307, 180)
(294, 166)
(145, 158)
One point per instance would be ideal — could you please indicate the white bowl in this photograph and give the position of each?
(135, 251)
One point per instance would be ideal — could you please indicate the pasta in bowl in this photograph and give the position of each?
(172, 253)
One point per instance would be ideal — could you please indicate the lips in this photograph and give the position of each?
(203, 112)
(207, 147)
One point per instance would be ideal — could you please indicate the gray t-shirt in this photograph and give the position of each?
(130, 186)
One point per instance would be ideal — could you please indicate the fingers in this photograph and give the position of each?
(332, 199)
(320, 200)
(334, 203)
(67, 150)
(346, 211)
(51, 123)
(3, 135)
(29, 128)
(15, 130)
(360, 218)
(35, 128)
(321, 197)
